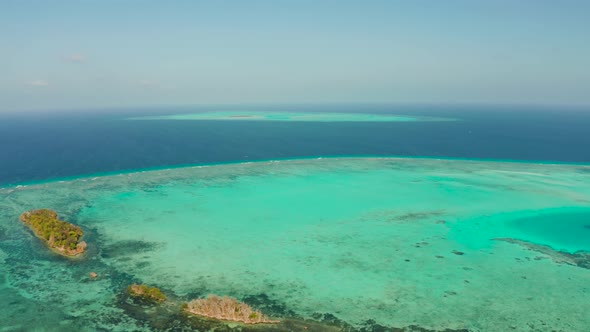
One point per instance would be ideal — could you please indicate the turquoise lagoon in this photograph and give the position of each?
(291, 116)
(440, 244)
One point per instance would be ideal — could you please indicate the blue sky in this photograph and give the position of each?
(119, 53)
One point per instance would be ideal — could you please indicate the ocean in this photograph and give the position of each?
(46, 145)
(327, 218)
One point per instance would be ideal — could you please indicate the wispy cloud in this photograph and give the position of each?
(75, 58)
(38, 83)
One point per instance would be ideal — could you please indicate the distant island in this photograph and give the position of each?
(226, 308)
(292, 116)
(60, 236)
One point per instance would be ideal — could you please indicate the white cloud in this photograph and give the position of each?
(75, 58)
(38, 83)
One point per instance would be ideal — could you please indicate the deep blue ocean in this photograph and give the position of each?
(37, 146)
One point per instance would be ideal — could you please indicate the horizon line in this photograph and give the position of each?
(270, 104)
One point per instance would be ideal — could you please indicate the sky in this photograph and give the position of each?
(129, 53)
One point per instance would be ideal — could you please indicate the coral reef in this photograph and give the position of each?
(60, 236)
(579, 259)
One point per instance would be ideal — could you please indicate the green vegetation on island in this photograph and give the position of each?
(60, 236)
(226, 308)
(146, 293)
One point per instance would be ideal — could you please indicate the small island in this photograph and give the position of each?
(146, 293)
(226, 308)
(60, 236)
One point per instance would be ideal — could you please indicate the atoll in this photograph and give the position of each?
(226, 308)
(146, 293)
(60, 236)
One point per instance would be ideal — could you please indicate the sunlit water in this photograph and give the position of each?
(398, 241)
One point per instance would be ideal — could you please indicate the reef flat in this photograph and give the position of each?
(334, 244)
(291, 116)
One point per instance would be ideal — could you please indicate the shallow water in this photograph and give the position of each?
(569, 231)
(397, 241)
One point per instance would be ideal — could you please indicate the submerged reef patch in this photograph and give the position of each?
(579, 259)
(270, 306)
(329, 322)
(399, 217)
(3, 233)
(127, 247)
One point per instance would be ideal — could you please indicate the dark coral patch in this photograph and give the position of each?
(579, 259)
(269, 306)
(128, 247)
